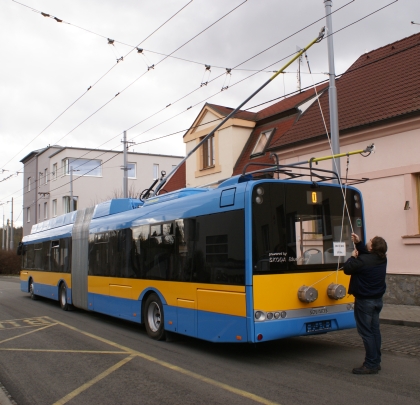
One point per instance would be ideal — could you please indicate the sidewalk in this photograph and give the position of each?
(406, 315)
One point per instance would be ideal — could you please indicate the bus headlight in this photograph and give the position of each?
(307, 294)
(258, 199)
(336, 291)
(259, 315)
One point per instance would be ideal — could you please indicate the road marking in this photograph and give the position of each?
(87, 385)
(61, 351)
(27, 333)
(170, 366)
(23, 323)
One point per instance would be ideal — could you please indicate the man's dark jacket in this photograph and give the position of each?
(367, 272)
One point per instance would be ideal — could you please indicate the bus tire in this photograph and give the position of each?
(63, 297)
(32, 291)
(153, 317)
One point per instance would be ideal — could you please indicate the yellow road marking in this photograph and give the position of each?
(170, 366)
(61, 351)
(27, 333)
(84, 387)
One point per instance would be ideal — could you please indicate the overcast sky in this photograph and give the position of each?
(46, 66)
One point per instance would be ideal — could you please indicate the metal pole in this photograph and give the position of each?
(11, 228)
(7, 236)
(125, 178)
(71, 190)
(2, 239)
(332, 92)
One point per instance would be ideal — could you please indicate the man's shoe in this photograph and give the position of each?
(365, 370)
(379, 367)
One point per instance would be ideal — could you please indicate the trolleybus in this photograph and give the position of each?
(254, 259)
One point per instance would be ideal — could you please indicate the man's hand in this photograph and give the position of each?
(355, 253)
(355, 238)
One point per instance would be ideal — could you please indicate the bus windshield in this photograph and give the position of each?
(298, 228)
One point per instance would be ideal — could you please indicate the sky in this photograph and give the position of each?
(48, 66)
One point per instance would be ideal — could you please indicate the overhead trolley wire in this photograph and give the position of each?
(256, 72)
(98, 80)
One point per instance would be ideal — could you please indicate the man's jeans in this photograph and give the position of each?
(366, 314)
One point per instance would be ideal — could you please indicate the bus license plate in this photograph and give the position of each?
(318, 326)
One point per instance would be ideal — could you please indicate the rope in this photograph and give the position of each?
(343, 191)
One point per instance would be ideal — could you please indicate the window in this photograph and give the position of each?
(82, 167)
(261, 142)
(28, 214)
(131, 172)
(54, 172)
(155, 171)
(29, 183)
(67, 205)
(208, 153)
(45, 210)
(45, 176)
(40, 179)
(54, 208)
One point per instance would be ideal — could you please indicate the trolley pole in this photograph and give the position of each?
(11, 228)
(332, 91)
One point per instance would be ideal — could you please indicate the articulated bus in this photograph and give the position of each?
(252, 260)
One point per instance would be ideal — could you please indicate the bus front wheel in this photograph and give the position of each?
(32, 291)
(153, 317)
(63, 297)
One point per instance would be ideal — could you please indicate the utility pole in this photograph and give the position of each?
(2, 239)
(71, 190)
(7, 236)
(332, 92)
(125, 168)
(11, 227)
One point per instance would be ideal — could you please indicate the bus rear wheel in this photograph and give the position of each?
(153, 317)
(63, 297)
(32, 291)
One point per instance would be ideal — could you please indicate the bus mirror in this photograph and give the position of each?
(21, 249)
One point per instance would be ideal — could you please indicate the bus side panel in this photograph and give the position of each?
(221, 328)
(279, 329)
(221, 315)
(24, 281)
(118, 307)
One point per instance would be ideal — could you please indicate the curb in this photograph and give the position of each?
(413, 324)
(5, 397)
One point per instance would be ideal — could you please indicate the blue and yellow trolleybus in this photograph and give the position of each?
(252, 260)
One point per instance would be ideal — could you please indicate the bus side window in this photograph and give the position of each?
(65, 255)
(55, 256)
(38, 256)
(30, 257)
(139, 249)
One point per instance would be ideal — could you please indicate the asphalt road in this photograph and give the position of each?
(48, 356)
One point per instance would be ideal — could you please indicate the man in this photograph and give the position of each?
(367, 267)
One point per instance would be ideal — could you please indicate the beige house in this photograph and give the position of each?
(97, 176)
(378, 102)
